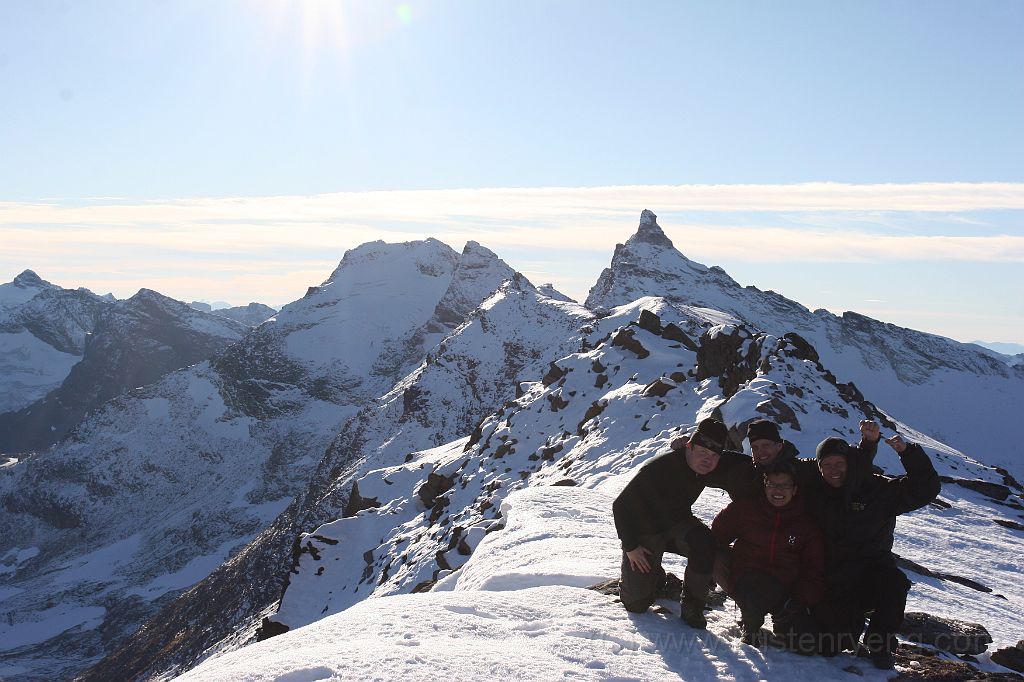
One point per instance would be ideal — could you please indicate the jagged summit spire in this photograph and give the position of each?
(29, 278)
(650, 232)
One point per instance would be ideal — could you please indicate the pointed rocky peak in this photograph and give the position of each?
(548, 289)
(29, 279)
(650, 232)
(478, 274)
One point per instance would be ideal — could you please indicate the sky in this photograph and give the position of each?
(852, 156)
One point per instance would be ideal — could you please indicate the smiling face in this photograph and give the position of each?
(833, 470)
(700, 459)
(764, 451)
(779, 489)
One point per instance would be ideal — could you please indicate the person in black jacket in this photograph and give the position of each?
(857, 509)
(653, 516)
(768, 451)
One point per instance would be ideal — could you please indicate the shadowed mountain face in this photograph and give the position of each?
(43, 331)
(134, 343)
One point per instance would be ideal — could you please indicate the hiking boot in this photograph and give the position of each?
(671, 588)
(692, 613)
(882, 659)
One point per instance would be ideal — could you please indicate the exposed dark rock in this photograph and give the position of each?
(357, 503)
(779, 412)
(624, 339)
(269, 628)
(557, 402)
(947, 634)
(609, 587)
(723, 355)
(548, 454)
(435, 485)
(1006, 523)
(1010, 657)
(597, 367)
(565, 482)
(658, 387)
(601, 380)
(673, 333)
(650, 322)
(996, 491)
(800, 347)
(678, 377)
(921, 664)
(554, 374)
(909, 565)
(594, 410)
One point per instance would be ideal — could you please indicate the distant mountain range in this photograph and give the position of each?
(362, 441)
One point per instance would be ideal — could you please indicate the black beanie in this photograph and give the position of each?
(711, 434)
(832, 446)
(762, 429)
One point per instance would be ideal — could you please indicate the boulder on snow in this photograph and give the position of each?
(946, 634)
(624, 339)
(921, 664)
(658, 387)
(1010, 657)
(435, 485)
(650, 322)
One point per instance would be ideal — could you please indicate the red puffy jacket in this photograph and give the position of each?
(781, 541)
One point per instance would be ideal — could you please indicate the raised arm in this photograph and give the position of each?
(870, 434)
(921, 485)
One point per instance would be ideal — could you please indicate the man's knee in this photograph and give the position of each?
(638, 605)
(700, 548)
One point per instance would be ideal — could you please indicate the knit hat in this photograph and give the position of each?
(832, 446)
(762, 429)
(711, 434)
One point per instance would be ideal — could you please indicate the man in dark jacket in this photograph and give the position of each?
(778, 560)
(653, 516)
(768, 449)
(857, 509)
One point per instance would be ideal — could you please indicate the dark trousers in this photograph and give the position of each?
(689, 538)
(880, 591)
(757, 594)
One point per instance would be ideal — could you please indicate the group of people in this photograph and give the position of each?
(808, 541)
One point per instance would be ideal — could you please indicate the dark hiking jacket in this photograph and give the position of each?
(859, 519)
(781, 541)
(662, 492)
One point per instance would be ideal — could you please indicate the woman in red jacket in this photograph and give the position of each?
(778, 560)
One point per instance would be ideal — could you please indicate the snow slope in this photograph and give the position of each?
(599, 417)
(519, 609)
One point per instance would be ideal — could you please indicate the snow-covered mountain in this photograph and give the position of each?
(426, 421)
(251, 315)
(165, 483)
(948, 389)
(43, 330)
(473, 552)
(512, 334)
(133, 343)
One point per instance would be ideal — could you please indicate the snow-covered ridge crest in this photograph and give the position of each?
(596, 415)
(512, 332)
(904, 369)
(447, 519)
